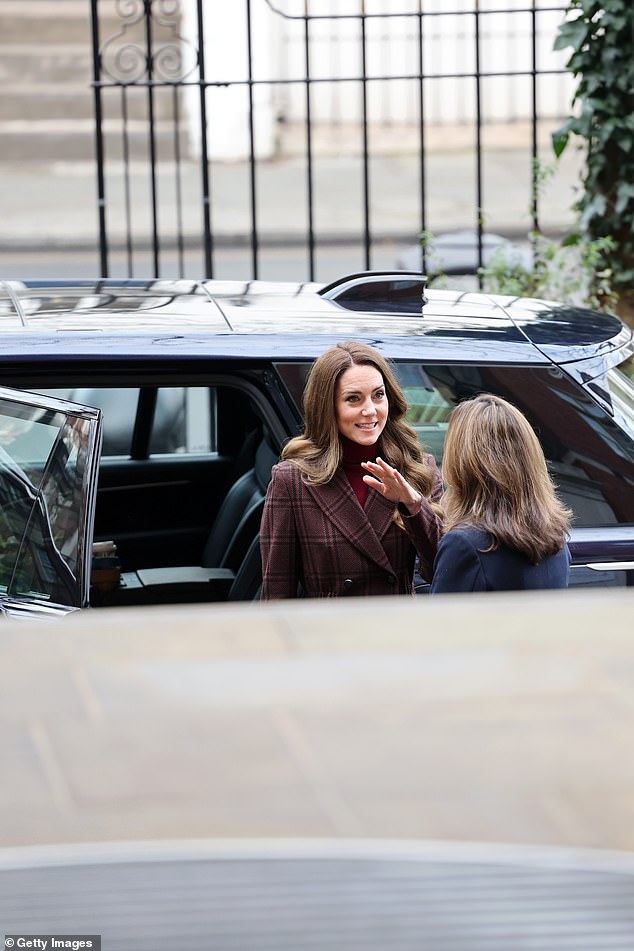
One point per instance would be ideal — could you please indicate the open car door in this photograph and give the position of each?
(49, 463)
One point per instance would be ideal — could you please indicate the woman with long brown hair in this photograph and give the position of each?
(351, 503)
(505, 528)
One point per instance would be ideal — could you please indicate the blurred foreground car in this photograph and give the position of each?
(198, 384)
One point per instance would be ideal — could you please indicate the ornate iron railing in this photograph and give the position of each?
(171, 82)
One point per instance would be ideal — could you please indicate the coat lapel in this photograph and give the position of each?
(363, 527)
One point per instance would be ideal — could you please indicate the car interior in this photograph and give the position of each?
(229, 568)
(182, 481)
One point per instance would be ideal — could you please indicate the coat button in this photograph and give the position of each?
(348, 584)
(391, 580)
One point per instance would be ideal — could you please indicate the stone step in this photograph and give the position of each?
(31, 62)
(61, 22)
(74, 140)
(36, 101)
(46, 69)
(50, 21)
(54, 101)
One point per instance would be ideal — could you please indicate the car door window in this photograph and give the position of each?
(183, 420)
(589, 455)
(46, 455)
(429, 405)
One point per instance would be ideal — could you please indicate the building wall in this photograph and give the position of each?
(389, 59)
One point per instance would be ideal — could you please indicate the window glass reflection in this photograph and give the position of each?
(590, 457)
(43, 456)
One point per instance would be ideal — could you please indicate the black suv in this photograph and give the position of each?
(197, 384)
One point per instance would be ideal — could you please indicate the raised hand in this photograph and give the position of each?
(390, 483)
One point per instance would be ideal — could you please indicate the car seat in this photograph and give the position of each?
(231, 552)
(239, 516)
(247, 583)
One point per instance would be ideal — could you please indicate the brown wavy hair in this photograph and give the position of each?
(318, 453)
(498, 481)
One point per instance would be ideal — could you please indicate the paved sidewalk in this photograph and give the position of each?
(54, 206)
(492, 718)
(379, 775)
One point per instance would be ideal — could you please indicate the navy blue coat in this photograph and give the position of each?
(461, 565)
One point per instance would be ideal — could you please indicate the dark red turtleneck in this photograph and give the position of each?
(353, 455)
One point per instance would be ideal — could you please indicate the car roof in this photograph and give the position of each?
(114, 318)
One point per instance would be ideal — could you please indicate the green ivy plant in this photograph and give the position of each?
(574, 270)
(571, 270)
(601, 35)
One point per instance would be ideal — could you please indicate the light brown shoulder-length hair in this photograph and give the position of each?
(498, 481)
(318, 450)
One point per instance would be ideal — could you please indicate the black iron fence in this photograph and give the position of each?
(226, 125)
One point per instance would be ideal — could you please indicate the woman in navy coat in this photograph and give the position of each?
(505, 529)
(351, 504)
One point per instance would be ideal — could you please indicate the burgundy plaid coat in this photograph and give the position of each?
(318, 542)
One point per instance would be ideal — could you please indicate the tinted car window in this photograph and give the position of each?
(619, 382)
(183, 417)
(589, 456)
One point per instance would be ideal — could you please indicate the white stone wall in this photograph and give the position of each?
(392, 51)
